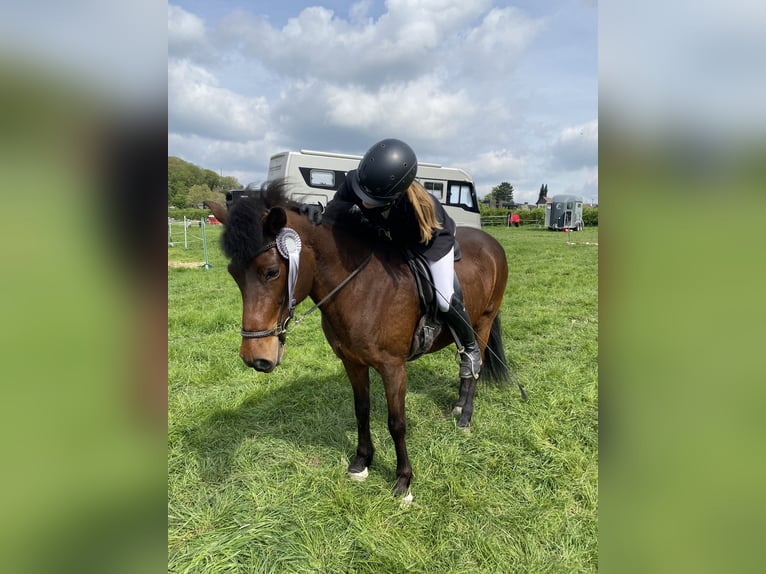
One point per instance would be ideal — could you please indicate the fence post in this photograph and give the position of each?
(186, 243)
(204, 244)
(170, 233)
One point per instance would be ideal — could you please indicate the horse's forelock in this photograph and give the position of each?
(243, 234)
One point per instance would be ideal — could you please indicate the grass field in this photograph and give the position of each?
(256, 462)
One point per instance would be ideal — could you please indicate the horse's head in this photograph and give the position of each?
(259, 246)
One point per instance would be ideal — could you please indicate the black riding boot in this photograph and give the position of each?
(460, 324)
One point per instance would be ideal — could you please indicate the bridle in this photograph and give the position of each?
(291, 252)
(280, 330)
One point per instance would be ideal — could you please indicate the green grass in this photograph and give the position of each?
(256, 462)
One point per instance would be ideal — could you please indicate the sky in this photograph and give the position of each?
(506, 90)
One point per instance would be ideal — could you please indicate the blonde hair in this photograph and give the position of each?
(424, 210)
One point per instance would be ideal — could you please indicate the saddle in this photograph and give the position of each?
(429, 326)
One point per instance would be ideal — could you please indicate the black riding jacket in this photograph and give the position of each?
(396, 223)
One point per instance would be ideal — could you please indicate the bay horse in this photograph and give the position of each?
(368, 300)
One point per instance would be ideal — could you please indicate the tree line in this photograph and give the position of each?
(189, 185)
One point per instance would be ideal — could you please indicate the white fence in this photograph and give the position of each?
(193, 231)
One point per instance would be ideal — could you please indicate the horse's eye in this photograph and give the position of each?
(271, 274)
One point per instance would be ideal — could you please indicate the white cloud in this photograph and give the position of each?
(502, 37)
(576, 147)
(200, 106)
(460, 82)
(417, 110)
(358, 13)
(404, 43)
(497, 164)
(584, 184)
(186, 33)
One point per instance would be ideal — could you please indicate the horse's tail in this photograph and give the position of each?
(495, 367)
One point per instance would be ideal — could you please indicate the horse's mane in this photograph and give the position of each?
(243, 237)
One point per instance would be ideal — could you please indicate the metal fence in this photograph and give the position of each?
(490, 220)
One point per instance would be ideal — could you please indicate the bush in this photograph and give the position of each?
(532, 216)
(590, 216)
(486, 211)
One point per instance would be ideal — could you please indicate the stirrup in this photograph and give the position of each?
(470, 362)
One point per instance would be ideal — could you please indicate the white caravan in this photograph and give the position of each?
(315, 176)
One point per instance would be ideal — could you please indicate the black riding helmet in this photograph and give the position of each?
(385, 172)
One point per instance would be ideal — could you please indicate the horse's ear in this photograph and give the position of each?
(218, 210)
(274, 220)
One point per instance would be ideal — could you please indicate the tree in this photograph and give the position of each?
(543, 194)
(502, 193)
(199, 193)
(183, 176)
(227, 182)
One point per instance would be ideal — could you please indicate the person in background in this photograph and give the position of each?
(515, 220)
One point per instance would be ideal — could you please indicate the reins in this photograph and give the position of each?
(280, 330)
(340, 286)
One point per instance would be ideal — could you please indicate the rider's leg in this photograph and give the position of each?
(450, 300)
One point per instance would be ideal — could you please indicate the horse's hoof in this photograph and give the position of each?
(457, 411)
(464, 423)
(406, 501)
(358, 476)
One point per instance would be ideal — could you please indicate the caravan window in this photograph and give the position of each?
(435, 188)
(322, 178)
(459, 194)
(570, 205)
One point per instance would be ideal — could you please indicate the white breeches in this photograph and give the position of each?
(443, 272)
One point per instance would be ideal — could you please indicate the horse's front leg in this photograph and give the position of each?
(359, 376)
(395, 384)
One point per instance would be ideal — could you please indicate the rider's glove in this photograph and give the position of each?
(313, 212)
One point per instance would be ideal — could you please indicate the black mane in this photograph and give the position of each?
(243, 235)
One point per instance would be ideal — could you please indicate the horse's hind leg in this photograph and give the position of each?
(359, 376)
(464, 405)
(461, 398)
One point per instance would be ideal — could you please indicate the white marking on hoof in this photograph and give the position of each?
(407, 500)
(457, 411)
(359, 476)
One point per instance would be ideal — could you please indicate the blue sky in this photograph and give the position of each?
(505, 90)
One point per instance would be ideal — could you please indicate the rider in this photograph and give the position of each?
(383, 194)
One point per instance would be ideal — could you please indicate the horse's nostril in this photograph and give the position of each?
(263, 365)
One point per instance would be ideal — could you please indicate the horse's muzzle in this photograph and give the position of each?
(263, 355)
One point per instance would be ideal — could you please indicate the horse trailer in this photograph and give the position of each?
(564, 212)
(314, 176)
